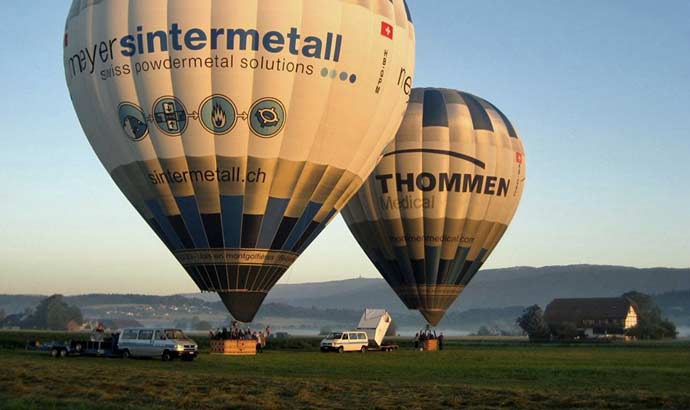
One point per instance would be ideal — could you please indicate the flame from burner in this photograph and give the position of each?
(218, 116)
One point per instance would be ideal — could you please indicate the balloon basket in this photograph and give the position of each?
(430, 345)
(234, 347)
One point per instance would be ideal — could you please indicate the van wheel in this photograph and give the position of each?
(166, 357)
(341, 349)
(126, 354)
(363, 349)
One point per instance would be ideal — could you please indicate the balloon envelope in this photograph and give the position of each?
(441, 198)
(238, 128)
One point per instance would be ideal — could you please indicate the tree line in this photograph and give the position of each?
(52, 313)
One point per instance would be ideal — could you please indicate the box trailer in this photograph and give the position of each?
(376, 322)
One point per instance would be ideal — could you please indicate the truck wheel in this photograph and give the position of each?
(363, 349)
(55, 353)
(341, 349)
(126, 354)
(63, 353)
(166, 357)
(78, 348)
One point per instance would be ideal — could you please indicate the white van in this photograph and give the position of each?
(340, 342)
(164, 343)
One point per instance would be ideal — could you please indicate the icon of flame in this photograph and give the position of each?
(218, 116)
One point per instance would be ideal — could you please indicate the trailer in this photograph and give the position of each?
(376, 322)
(61, 349)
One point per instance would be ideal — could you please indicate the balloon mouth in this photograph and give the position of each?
(432, 301)
(434, 317)
(243, 305)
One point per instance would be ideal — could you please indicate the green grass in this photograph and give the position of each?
(488, 375)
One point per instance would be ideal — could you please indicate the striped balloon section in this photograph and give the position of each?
(441, 198)
(239, 128)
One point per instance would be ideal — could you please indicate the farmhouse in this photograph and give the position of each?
(596, 317)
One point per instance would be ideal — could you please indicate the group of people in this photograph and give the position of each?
(237, 333)
(427, 334)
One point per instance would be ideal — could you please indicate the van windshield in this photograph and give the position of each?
(174, 334)
(334, 336)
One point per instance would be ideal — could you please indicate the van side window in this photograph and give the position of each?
(145, 334)
(346, 336)
(130, 334)
(362, 336)
(160, 335)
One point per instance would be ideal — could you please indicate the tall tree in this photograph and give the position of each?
(532, 322)
(53, 313)
(647, 309)
(650, 323)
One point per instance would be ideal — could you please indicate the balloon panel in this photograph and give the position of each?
(441, 198)
(238, 129)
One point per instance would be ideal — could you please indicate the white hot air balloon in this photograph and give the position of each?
(239, 128)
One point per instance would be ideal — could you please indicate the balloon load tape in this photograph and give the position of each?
(238, 257)
(429, 296)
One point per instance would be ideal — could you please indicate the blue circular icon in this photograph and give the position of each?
(170, 116)
(267, 117)
(133, 121)
(218, 114)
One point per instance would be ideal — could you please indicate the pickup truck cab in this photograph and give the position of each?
(353, 341)
(164, 343)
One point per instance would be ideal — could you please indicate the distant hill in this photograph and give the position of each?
(17, 303)
(492, 288)
(495, 288)
(495, 296)
(526, 286)
(676, 305)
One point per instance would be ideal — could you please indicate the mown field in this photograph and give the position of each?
(468, 375)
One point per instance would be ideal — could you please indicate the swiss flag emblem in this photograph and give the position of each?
(518, 157)
(386, 30)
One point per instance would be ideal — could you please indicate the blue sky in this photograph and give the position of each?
(599, 91)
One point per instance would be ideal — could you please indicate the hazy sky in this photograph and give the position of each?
(599, 90)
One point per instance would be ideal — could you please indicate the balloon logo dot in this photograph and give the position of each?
(267, 117)
(353, 78)
(343, 76)
(334, 73)
(170, 116)
(218, 114)
(324, 72)
(133, 121)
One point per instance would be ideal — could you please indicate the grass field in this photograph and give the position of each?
(498, 375)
